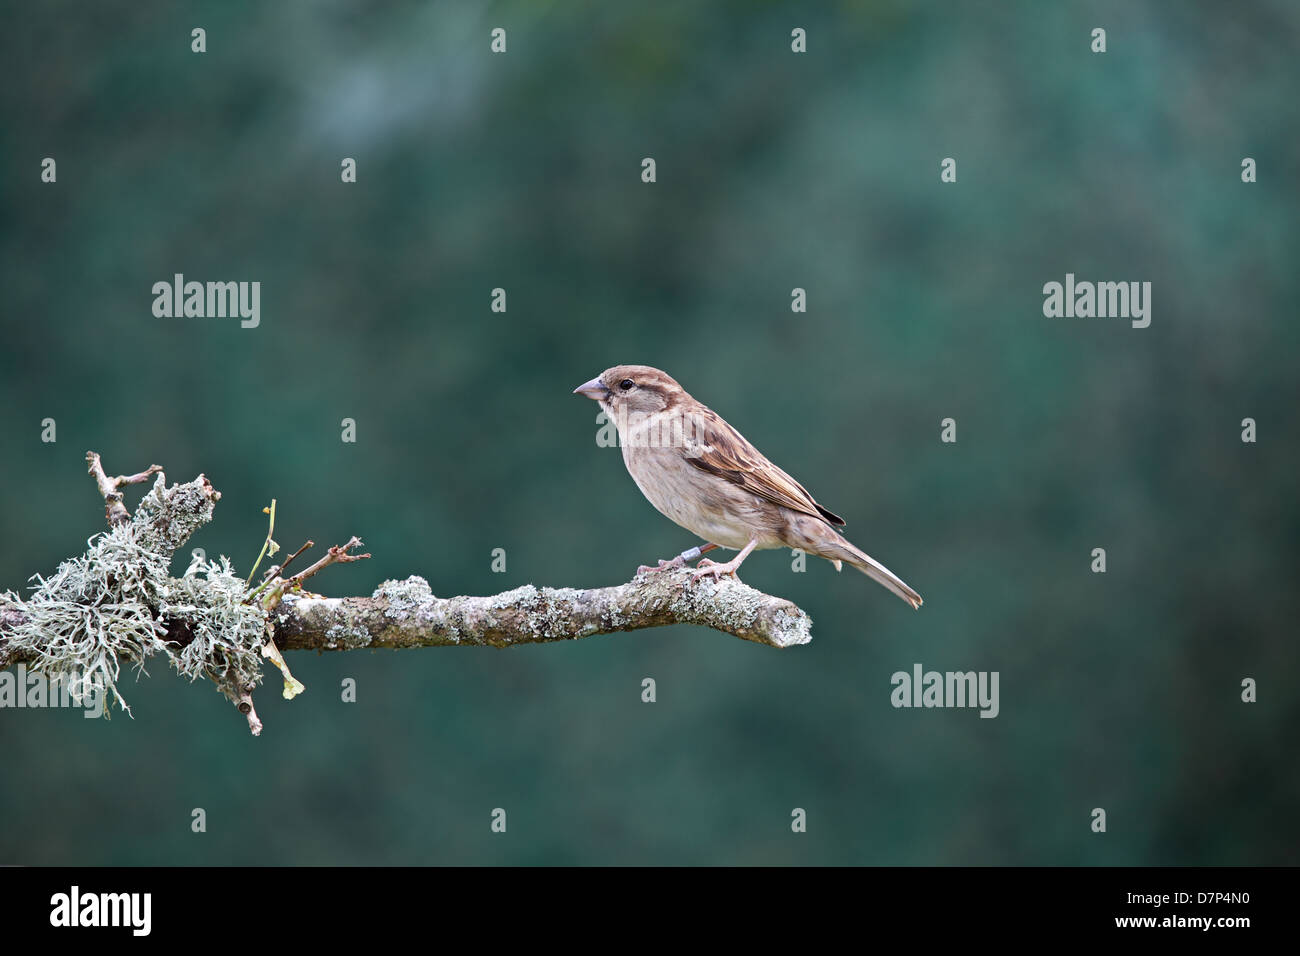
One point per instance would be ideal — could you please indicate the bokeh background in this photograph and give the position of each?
(775, 170)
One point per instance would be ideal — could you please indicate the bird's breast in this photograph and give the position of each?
(703, 504)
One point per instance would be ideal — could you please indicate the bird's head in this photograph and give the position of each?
(627, 390)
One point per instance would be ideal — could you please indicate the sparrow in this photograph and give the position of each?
(700, 472)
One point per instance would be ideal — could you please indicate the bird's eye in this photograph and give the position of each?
(626, 384)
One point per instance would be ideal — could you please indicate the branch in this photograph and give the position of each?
(406, 614)
(117, 604)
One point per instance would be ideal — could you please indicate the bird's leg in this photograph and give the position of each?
(690, 554)
(717, 570)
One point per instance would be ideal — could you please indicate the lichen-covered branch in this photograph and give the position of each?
(118, 605)
(403, 614)
(406, 614)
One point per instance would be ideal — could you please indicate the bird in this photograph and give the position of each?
(704, 475)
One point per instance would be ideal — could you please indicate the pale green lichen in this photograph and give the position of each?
(404, 598)
(793, 627)
(736, 608)
(228, 634)
(544, 613)
(553, 614)
(345, 636)
(524, 596)
(167, 517)
(110, 606)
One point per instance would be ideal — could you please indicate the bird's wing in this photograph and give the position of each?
(721, 450)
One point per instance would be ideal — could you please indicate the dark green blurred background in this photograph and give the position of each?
(775, 170)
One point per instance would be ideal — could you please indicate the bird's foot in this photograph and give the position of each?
(707, 567)
(690, 554)
(676, 562)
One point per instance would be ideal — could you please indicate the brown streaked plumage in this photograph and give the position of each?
(702, 473)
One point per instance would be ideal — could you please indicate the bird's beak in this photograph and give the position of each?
(595, 390)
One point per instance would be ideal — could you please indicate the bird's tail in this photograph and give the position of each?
(843, 550)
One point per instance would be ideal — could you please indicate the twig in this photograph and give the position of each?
(114, 511)
(280, 570)
(268, 543)
(274, 571)
(245, 706)
(337, 554)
